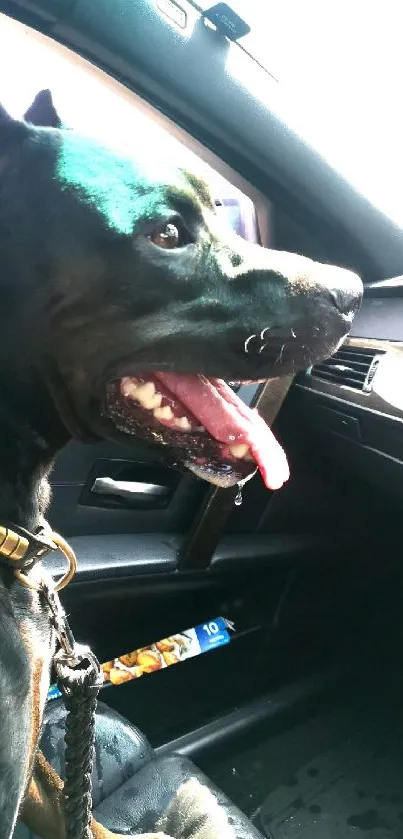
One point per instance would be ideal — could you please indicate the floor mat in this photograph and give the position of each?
(334, 776)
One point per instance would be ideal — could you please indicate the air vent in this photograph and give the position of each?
(353, 367)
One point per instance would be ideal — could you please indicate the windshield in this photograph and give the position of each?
(340, 73)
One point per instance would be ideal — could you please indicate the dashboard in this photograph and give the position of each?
(355, 398)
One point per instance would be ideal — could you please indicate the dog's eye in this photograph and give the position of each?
(168, 237)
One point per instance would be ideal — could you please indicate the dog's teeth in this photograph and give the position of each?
(148, 398)
(183, 423)
(147, 389)
(164, 413)
(145, 393)
(239, 450)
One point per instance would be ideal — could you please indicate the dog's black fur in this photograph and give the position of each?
(86, 295)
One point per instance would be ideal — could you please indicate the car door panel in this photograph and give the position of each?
(77, 510)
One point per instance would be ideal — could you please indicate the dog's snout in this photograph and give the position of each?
(345, 289)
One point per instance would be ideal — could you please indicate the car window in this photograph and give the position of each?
(339, 79)
(88, 101)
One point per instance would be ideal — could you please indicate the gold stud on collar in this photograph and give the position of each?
(12, 545)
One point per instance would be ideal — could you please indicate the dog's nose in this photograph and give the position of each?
(345, 291)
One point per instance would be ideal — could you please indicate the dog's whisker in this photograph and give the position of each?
(280, 355)
(246, 345)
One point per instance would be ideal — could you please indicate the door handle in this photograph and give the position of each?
(132, 490)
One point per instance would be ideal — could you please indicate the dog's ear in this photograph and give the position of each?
(43, 112)
(4, 116)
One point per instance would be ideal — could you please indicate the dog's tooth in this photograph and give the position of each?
(164, 413)
(157, 399)
(239, 450)
(148, 398)
(183, 423)
(145, 392)
(129, 387)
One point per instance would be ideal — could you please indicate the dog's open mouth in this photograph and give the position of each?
(205, 423)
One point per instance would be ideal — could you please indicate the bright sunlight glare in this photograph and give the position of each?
(340, 71)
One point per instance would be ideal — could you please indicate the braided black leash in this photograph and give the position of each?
(80, 679)
(80, 687)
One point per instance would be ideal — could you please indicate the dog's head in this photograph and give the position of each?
(130, 300)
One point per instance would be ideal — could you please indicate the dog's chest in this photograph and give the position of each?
(37, 640)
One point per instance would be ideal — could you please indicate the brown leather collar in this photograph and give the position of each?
(20, 549)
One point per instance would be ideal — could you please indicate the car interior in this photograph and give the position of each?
(295, 714)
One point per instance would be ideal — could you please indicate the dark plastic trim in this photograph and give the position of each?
(103, 557)
(269, 711)
(252, 551)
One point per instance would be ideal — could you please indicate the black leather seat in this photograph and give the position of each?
(135, 791)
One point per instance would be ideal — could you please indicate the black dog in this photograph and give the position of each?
(122, 302)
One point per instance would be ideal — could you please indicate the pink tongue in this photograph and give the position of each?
(230, 421)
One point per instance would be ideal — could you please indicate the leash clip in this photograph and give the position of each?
(55, 541)
(70, 655)
(60, 623)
